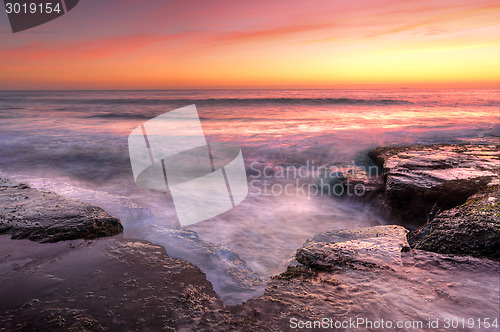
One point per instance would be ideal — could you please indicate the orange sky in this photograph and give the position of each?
(125, 44)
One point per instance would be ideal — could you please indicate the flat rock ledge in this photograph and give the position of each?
(421, 181)
(43, 216)
(128, 285)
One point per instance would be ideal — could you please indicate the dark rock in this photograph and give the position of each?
(366, 246)
(421, 181)
(126, 285)
(425, 285)
(43, 216)
(107, 284)
(472, 228)
(349, 180)
(297, 271)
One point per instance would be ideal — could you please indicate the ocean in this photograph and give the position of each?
(75, 143)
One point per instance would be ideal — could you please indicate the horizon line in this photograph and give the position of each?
(263, 88)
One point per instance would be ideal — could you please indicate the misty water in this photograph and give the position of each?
(75, 143)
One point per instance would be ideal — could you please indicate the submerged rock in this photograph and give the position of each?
(350, 180)
(43, 216)
(472, 228)
(421, 181)
(366, 246)
(230, 276)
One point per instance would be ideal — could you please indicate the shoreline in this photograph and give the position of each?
(333, 272)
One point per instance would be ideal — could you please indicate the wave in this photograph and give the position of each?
(229, 101)
(202, 118)
(119, 115)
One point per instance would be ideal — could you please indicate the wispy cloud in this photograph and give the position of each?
(181, 40)
(86, 50)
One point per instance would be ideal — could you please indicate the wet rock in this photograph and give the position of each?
(107, 284)
(472, 228)
(421, 181)
(366, 246)
(228, 273)
(426, 285)
(43, 216)
(117, 285)
(349, 180)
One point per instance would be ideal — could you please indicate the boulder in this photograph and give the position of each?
(472, 228)
(43, 216)
(352, 296)
(421, 181)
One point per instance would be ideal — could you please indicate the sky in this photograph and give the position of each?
(161, 44)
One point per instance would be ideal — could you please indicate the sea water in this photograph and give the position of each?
(75, 143)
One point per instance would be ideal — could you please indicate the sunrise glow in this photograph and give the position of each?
(181, 44)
